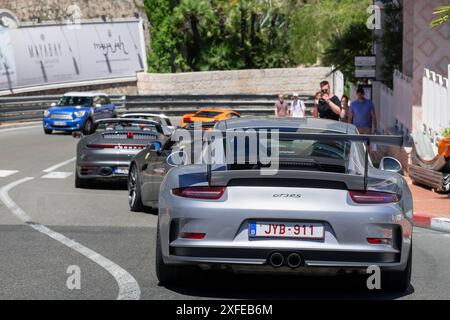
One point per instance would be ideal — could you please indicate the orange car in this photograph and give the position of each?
(208, 117)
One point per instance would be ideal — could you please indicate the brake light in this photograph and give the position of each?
(204, 193)
(130, 135)
(372, 197)
(187, 119)
(379, 241)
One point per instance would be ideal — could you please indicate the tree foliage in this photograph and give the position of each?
(392, 41)
(355, 41)
(444, 13)
(197, 35)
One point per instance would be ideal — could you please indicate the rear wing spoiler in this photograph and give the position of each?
(352, 181)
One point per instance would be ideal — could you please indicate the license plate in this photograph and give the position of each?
(297, 230)
(59, 123)
(123, 171)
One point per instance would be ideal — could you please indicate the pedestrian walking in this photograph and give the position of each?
(281, 107)
(362, 114)
(297, 108)
(329, 106)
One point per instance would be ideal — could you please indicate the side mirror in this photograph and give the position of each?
(177, 159)
(155, 145)
(391, 164)
(77, 134)
(53, 104)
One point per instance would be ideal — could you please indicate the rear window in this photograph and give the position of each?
(292, 154)
(208, 114)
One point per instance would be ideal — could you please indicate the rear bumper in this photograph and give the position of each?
(345, 260)
(102, 170)
(57, 125)
(227, 241)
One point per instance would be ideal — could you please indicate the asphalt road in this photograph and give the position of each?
(46, 226)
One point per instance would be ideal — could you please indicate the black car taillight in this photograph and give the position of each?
(372, 197)
(202, 193)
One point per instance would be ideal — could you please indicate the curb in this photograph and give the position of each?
(434, 223)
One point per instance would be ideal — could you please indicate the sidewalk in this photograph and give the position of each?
(431, 210)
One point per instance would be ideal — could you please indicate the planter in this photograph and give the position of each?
(444, 147)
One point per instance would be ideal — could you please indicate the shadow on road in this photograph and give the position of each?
(221, 285)
(108, 185)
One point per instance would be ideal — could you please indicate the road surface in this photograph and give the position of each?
(47, 227)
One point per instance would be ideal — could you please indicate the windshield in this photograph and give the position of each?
(75, 101)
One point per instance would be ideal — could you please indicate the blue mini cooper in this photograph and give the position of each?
(78, 111)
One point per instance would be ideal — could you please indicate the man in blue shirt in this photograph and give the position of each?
(362, 114)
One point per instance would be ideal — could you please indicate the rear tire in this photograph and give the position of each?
(81, 183)
(134, 190)
(48, 131)
(397, 281)
(172, 274)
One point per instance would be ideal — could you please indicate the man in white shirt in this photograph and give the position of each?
(297, 109)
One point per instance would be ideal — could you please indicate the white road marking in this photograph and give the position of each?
(59, 165)
(57, 175)
(128, 287)
(7, 173)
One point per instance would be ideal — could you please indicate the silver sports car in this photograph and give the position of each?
(318, 206)
(107, 153)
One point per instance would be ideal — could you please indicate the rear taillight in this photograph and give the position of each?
(387, 241)
(187, 119)
(372, 197)
(204, 193)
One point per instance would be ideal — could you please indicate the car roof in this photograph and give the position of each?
(216, 110)
(274, 122)
(84, 94)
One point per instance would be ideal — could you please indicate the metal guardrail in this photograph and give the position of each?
(32, 107)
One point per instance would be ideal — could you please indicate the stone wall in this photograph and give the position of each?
(35, 11)
(305, 81)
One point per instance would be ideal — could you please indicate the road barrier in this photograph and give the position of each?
(32, 107)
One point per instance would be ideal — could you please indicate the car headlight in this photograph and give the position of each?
(79, 114)
(46, 113)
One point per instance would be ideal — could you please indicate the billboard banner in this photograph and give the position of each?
(55, 54)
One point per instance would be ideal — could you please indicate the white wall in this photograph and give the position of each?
(435, 102)
(394, 107)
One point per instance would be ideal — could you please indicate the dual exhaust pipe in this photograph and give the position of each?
(293, 260)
